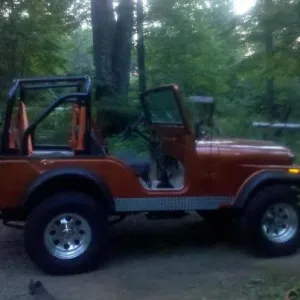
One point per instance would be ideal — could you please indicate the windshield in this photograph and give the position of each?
(161, 107)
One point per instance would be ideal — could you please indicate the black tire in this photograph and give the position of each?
(67, 203)
(251, 222)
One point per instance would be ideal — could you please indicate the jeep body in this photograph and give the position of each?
(181, 174)
(212, 175)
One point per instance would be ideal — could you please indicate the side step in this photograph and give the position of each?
(179, 203)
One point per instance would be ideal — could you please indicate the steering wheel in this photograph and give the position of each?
(127, 133)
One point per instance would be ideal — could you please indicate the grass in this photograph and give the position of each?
(269, 287)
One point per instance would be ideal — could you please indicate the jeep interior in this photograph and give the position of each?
(162, 113)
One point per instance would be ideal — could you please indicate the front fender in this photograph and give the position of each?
(261, 180)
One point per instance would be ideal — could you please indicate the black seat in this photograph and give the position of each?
(140, 165)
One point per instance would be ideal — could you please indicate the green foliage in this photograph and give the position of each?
(203, 46)
(78, 47)
(31, 34)
(115, 117)
(185, 46)
(135, 145)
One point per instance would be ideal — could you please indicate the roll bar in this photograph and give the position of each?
(82, 96)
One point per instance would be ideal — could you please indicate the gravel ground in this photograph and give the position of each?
(174, 259)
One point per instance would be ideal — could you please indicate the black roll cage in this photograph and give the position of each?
(82, 97)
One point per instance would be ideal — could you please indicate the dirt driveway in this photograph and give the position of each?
(177, 259)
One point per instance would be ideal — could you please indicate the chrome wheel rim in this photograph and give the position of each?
(67, 236)
(280, 223)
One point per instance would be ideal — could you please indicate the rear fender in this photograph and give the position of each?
(69, 178)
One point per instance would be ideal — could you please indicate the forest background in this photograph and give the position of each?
(248, 62)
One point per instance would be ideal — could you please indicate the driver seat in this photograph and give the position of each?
(140, 165)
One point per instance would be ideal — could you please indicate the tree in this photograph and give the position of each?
(270, 31)
(31, 32)
(140, 46)
(186, 43)
(112, 44)
(79, 52)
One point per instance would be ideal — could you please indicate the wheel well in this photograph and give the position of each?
(75, 183)
(267, 183)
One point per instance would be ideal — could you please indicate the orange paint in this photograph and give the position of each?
(212, 167)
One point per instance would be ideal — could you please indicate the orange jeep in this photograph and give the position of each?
(67, 194)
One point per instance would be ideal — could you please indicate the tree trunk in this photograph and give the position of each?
(121, 56)
(103, 24)
(112, 46)
(141, 46)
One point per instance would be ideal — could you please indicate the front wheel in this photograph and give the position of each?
(271, 224)
(67, 233)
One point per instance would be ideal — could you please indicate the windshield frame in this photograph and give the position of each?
(171, 88)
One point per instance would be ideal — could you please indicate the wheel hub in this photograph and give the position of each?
(67, 236)
(280, 223)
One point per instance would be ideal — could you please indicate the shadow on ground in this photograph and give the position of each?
(144, 238)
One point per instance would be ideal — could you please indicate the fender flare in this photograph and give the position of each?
(61, 174)
(261, 180)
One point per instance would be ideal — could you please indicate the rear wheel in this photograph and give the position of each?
(271, 224)
(67, 233)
